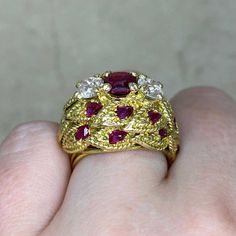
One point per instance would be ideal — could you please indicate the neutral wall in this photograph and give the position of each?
(47, 45)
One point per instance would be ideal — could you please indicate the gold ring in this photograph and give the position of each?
(117, 111)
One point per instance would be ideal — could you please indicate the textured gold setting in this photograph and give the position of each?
(142, 133)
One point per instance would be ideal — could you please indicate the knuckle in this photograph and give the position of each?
(211, 109)
(27, 137)
(209, 114)
(33, 126)
(205, 92)
(218, 119)
(31, 130)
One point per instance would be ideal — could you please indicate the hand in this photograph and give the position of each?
(125, 193)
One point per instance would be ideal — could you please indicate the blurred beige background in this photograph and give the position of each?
(47, 45)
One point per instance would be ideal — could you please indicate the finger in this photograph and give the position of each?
(34, 174)
(207, 119)
(104, 189)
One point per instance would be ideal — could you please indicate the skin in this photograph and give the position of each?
(126, 193)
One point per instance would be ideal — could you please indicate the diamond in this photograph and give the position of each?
(119, 82)
(154, 116)
(124, 112)
(86, 90)
(82, 132)
(93, 108)
(144, 80)
(95, 81)
(117, 136)
(154, 90)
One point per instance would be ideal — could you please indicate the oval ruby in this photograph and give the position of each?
(119, 82)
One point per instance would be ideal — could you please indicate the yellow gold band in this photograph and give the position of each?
(116, 111)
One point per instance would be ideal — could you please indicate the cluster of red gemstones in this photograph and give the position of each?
(119, 82)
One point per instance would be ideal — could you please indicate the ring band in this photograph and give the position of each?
(117, 111)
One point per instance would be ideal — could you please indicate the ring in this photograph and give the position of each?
(118, 111)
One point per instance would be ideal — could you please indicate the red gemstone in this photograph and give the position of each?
(82, 132)
(93, 108)
(119, 82)
(124, 112)
(154, 116)
(117, 136)
(163, 132)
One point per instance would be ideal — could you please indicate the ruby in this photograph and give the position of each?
(163, 133)
(82, 132)
(93, 108)
(119, 82)
(117, 136)
(124, 111)
(154, 116)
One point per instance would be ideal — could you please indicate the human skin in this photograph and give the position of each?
(128, 193)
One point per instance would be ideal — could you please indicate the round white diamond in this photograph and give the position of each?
(95, 81)
(86, 90)
(143, 80)
(154, 90)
